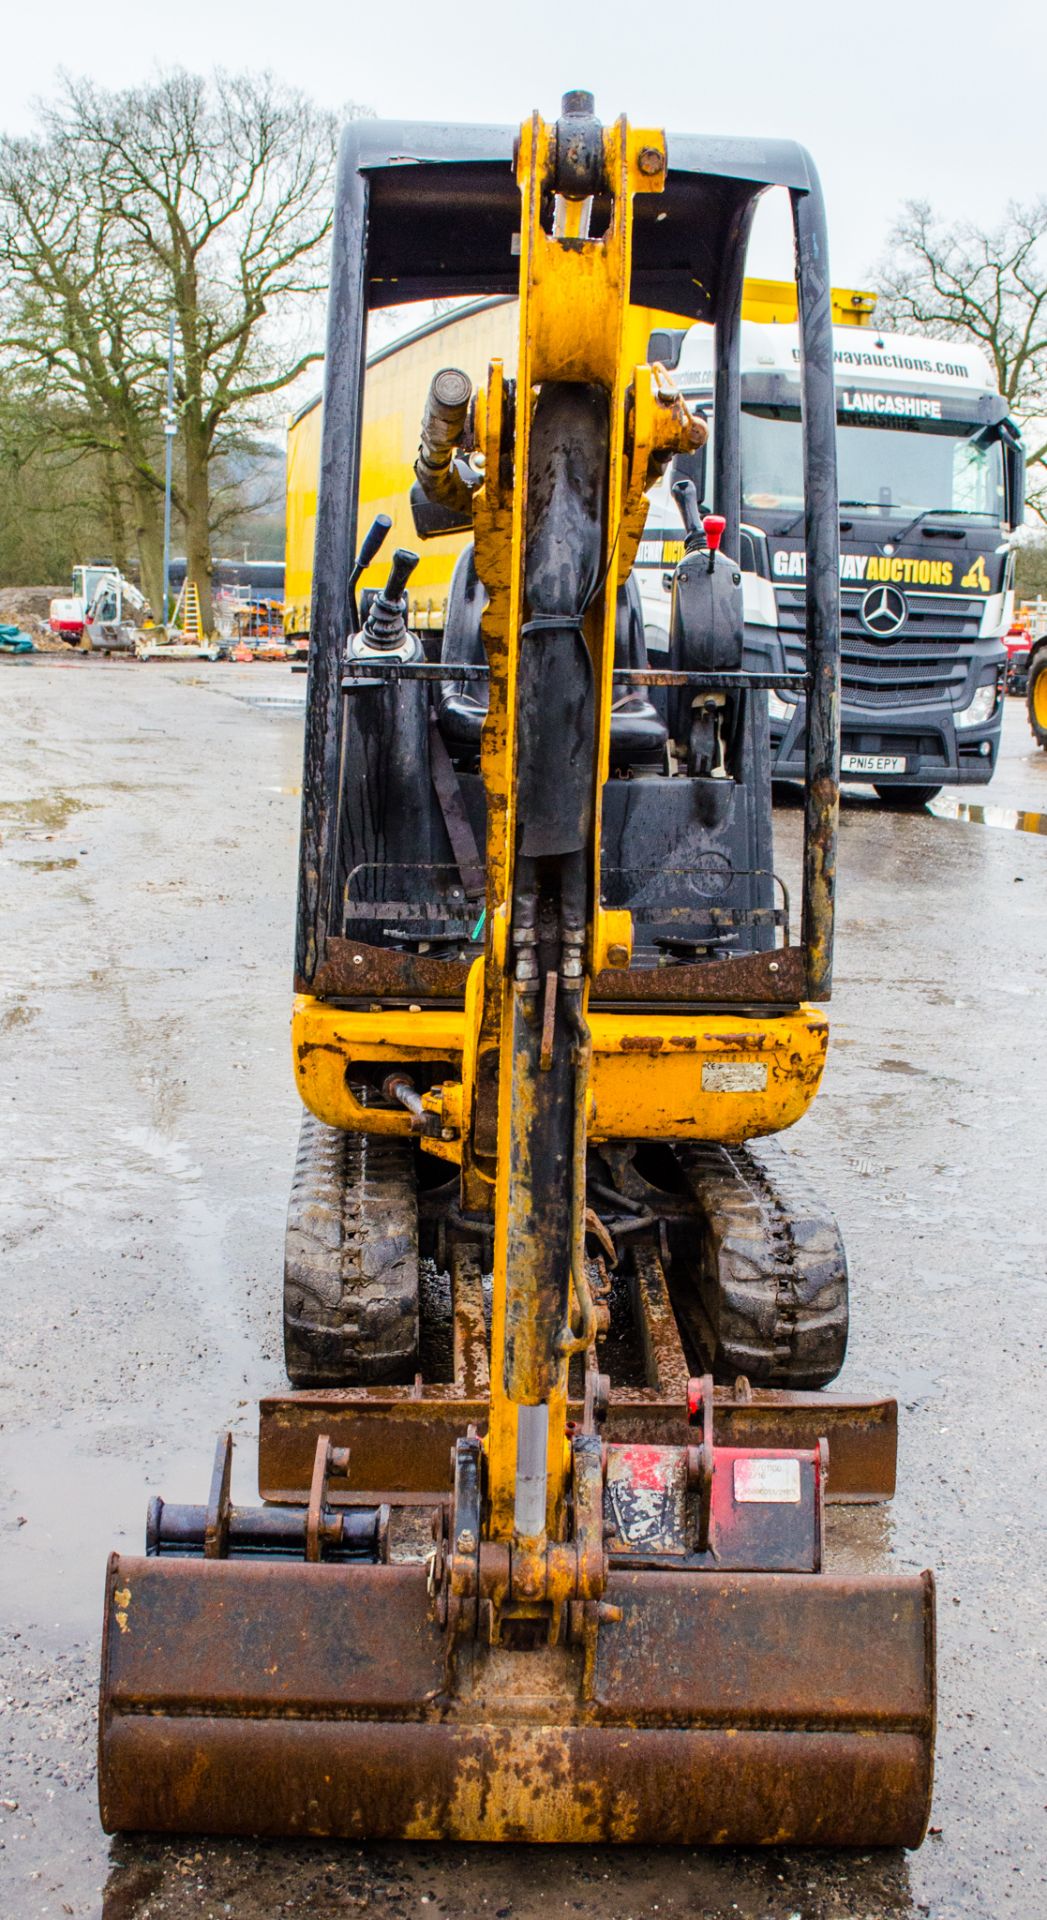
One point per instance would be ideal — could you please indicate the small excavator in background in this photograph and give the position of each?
(540, 1554)
(95, 614)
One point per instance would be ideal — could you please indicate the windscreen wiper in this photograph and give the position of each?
(784, 532)
(967, 513)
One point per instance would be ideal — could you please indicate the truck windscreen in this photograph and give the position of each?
(895, 469)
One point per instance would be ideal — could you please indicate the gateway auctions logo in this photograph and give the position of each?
(890, 569)
(865, 569)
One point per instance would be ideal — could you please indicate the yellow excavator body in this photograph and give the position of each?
(548, 999)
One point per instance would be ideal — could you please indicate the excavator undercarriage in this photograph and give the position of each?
(541, 1548)
(757, 1267)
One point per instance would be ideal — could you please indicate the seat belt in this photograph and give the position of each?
(455, 818)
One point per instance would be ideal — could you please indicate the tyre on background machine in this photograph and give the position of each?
(1036, 692)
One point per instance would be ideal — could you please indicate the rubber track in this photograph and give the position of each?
(771, 1270)
(351, 1260)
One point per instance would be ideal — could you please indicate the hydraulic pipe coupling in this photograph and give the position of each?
(443, 428)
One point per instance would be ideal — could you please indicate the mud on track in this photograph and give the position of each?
(148, 824)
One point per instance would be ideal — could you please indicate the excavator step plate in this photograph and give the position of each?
(293, 1699)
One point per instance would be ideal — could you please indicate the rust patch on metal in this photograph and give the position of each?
(312, 1700)
(664, 1362)
(769, 979)
(401, 1440)
(351, 969)
(471, 1362)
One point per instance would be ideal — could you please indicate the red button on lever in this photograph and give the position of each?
(715, 526)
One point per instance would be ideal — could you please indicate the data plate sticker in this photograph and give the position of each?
(873, 763)
(767, 1480)
(734, 1076)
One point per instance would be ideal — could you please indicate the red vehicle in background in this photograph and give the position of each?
(1026, 672)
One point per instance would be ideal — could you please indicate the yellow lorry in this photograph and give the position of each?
(397, 382)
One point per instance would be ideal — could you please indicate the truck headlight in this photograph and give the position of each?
(777, 708)
(981, 709)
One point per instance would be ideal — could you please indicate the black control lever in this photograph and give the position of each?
(372, 543)
(685, 494)
(404, 564)
(386, 625)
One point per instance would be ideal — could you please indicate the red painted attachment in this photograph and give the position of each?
(728, 1509)
(715, 527)
(767, 1510)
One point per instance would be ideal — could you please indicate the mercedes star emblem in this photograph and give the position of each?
(883, 611)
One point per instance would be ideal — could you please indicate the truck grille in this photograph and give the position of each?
(926, 664)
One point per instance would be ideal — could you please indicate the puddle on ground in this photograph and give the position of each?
(52, 810)
(272, 702)
(19, 1015)
(912, 1386)
(157, 1149)
(56, 1543)
(1018, 820)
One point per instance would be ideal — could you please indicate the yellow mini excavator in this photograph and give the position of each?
(540, 1549)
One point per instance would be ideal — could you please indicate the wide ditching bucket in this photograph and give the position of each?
(687, 1705)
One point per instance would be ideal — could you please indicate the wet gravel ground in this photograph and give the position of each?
(148, 822)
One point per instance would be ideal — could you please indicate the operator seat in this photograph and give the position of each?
(638, 735)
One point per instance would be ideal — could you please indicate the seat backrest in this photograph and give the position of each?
(463, 703)
(462, 643)
(630, 645)
(637, 732)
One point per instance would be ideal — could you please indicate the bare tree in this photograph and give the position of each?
(1030, 580)
(208, 199)
(965, 283)
(58, 501)
(77, 324)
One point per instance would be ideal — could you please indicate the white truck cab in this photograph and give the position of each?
(931, 483)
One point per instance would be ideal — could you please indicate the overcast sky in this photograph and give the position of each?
(944, 102)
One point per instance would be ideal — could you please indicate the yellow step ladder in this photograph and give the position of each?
(191, 621)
